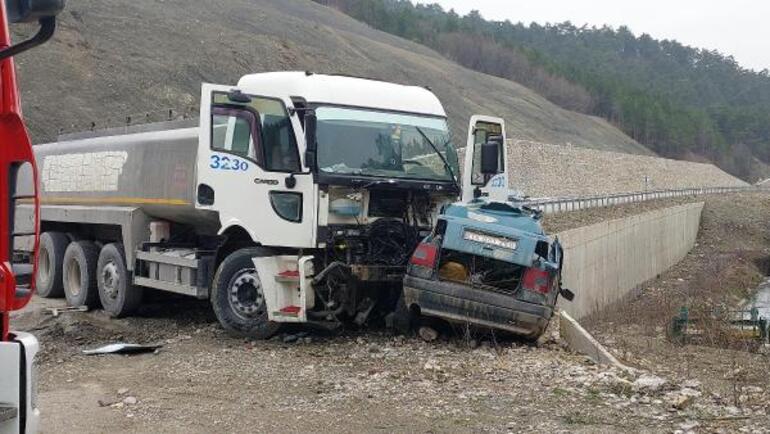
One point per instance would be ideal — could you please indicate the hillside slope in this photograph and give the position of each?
(111, 59)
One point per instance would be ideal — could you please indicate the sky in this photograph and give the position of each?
(736, 27)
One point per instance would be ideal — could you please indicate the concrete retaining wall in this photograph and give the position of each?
(603, 262)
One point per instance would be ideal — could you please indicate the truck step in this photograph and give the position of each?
(8, 413)
(288, 311)
(288, 276)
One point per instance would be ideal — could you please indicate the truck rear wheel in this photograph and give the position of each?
(49, 264)
(238, 298)
(79, 274)
(118, 295)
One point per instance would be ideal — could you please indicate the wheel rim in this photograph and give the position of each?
(245, 294)
(110, 280)
(73, 278)
(44, 266)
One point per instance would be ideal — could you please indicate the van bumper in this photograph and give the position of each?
(456, 302)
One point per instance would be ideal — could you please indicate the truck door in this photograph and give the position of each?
(483, 129)
(249, 168)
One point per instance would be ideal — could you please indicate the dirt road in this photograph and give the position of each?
(205, 381)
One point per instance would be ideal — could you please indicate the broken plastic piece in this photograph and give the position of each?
(122, 348)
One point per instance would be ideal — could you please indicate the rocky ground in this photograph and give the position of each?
(202, 380)
(586, 172)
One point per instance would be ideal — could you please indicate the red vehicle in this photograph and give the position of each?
(18, 410)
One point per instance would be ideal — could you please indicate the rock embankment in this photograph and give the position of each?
(543, 170)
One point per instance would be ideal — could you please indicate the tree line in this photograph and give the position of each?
(679, 101)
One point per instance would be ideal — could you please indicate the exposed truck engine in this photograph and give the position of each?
(295, 198)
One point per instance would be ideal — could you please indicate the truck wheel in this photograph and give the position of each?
(49, 264)
(238, 298)
(79, 274)
(118, 295)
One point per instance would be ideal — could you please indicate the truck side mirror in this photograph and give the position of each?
(25, 11)
(311, 144)
(490, 156)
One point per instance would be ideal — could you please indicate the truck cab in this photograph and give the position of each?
(335, 178)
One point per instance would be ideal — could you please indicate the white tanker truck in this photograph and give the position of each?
(296, 198)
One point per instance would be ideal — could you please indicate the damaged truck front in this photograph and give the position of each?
(487, 263)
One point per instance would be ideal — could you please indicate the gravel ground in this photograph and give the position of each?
(202, 380)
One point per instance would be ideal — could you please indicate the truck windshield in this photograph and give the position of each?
(384, 144)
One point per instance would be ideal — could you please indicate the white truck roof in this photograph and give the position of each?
(344, 90)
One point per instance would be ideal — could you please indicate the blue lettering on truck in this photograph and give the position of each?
(224, 162)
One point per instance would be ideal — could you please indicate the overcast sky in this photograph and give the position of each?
(736, 27)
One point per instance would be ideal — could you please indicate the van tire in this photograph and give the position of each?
(242, 310)
(49, 265)
(119, 296)
(79, 274)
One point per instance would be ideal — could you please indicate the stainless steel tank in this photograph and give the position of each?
(152, 170)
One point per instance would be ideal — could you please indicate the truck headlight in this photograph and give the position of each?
(492, 240)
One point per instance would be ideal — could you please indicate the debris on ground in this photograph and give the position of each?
(122, 348)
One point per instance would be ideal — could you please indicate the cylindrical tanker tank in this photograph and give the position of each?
(154, 171)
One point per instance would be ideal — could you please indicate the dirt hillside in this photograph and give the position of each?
(112, 58)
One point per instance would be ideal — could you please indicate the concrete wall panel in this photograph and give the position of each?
(604, 261)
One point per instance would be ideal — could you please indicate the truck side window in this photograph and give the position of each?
(233, 130)
(275, 147)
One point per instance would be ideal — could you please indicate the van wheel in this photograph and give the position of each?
(49, 264)
(118, 295)
(238, 298)
(79, 274)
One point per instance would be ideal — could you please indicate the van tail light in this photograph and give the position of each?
(536, 280)
(424, 255)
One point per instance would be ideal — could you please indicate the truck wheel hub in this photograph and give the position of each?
(111, 280)
(246, 298)
(73, 278)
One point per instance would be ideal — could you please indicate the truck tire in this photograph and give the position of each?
(49, 264)
(118, 295)
(237, 297)
(79, 274)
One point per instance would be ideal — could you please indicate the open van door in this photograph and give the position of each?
(481, 177)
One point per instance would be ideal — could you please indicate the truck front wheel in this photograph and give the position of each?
(118, 295)
(79, 272)
(238, 297)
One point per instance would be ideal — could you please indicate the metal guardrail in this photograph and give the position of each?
(559, 205)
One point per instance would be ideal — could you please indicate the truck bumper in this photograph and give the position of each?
(457, 302)
(18, 409)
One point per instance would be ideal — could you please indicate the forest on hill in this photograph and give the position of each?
(679, 101)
